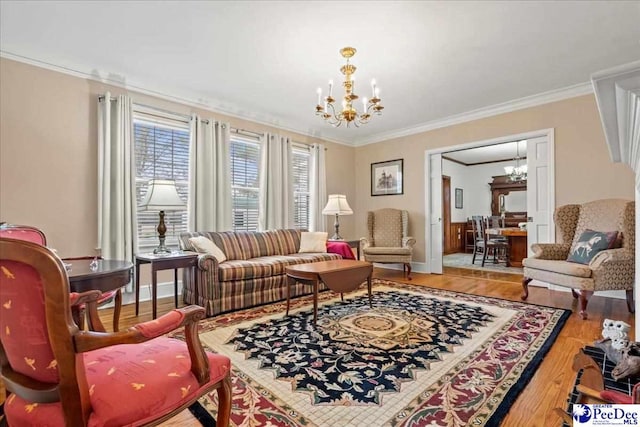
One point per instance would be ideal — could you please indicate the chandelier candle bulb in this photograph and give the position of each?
(330, 88)
(364, 104)
(373, 87)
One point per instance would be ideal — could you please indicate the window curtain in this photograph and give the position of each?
(276, 187)
(116, 180)
(318, 188)
(209, 176)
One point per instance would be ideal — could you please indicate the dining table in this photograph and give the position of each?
(517, 243)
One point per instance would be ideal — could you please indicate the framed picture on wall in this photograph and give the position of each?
(458, 198)
(386, 178)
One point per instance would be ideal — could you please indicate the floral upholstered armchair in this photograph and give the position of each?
(388, 240)
(58, 375)
(597, 252)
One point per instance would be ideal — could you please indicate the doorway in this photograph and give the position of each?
(540, 192)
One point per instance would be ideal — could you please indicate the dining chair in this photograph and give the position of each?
(59, 375)
(484, 245)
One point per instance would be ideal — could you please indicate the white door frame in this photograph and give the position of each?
(548, 133)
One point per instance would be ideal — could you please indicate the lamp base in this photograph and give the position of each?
(336, 226)
(162, 249)
(162, 229)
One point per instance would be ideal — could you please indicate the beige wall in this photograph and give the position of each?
(48, 154)
(583, 168)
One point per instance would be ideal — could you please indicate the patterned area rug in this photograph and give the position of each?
(461, 260)
(419, 357)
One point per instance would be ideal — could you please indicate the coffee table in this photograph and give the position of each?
(341, 275)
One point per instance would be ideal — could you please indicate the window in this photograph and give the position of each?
(245, 183)
(161, 152)
(301, 196)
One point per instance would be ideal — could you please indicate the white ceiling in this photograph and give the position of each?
(263, 60)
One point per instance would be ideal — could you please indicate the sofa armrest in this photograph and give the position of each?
(207, 262)
(551, 251)
(408, 242)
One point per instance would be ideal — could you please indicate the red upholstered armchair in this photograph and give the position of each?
(57, 374)
(35, 235)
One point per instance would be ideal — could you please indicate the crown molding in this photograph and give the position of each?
(481, 113)
(209, 105)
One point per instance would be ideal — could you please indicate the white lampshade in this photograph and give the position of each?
(162, 195)
(337, 205)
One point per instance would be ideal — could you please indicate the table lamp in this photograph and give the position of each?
(162, 196)
(337, 205)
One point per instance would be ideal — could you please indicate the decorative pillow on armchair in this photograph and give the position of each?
(590, 243)
(205, 245)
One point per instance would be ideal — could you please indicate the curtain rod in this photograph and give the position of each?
(245, 132)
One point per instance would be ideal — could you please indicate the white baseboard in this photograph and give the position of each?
(416, 267)
(165, 289)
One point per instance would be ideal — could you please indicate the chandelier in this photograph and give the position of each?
(517, 172)
(348, 113)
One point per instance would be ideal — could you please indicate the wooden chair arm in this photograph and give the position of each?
(29, 388)
(84, 297)
(88, 340)
(87, 301)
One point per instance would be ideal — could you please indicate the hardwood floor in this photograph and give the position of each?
(552, 381)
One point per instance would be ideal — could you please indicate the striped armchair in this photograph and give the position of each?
(610, 269)
(388, 240)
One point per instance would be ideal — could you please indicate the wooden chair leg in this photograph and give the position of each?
(630, 303)
(525, 288)
(224, 403)
(584, 300)
(484, 255)
(408, 265)
(475, 252)
(575, 294)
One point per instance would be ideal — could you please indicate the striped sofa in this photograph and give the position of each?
(253, 274)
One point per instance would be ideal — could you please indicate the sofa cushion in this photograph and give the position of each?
(589, 244)
(259, 244)
(204, 245)
(289, 241)
(230, 242)
(554, 266)
(268, 266)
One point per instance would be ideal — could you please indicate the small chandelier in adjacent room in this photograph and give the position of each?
(517, 172)
(349, 112)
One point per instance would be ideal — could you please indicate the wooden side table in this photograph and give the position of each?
(355, 244)
(172, 261)
(107, 276)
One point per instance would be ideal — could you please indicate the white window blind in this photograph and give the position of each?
(161, 152)
(245, 183)
(301, 196)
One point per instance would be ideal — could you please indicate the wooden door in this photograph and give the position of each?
(446, 214)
